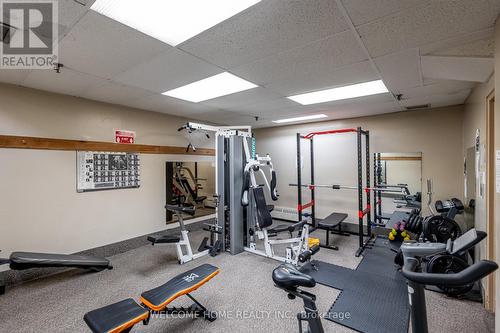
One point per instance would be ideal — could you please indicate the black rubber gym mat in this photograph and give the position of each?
(374, 296)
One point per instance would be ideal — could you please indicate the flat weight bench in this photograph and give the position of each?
(332, 224)
(122, 316)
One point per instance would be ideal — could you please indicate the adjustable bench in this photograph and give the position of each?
(122, 316)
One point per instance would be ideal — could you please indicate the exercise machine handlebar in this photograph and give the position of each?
(469, 275)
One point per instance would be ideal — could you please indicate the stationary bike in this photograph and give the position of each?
(289, 278)
(418, 278)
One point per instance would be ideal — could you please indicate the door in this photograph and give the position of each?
(490, 198)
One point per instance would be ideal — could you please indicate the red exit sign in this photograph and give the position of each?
(122, 136)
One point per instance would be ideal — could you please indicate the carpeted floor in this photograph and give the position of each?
(243, 294)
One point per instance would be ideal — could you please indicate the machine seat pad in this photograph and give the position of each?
(180, 209)
(158, 298)
(26, 260)
(279, 228)
(163, 239)
(200, 199)
(287, 276)
(117, 317)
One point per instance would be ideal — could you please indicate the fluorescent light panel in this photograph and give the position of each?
(171, 21)
(335, 94)
(215, 86)
(311, 117)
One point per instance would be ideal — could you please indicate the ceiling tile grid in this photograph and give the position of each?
(362, 11)
(421, 25)
(268, 27)
(400, 70)
(329, 78)
(316, 60)
(102, 47)
(430, 51)
(67, 82)
(168, 70)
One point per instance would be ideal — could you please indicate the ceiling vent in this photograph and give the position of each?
(418, 107)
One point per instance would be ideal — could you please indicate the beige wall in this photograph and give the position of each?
(40, 209)
(437, 133)
(475, 119)
(497, 147)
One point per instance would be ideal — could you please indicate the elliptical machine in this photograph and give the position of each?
(417, 279)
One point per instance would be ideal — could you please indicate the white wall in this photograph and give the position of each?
(39, 207)
(437, 133)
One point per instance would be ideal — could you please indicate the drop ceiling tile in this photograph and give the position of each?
(362, 11)
(170, 105)
(323, 78)
(102, 47)
(457, 41)
(225, 118)
(401, 69)
(13, 76)
(266, 28)
(457, 68)
(439, 100)
(66, 82)
(262, 108)
(478, 48)
(247, 97)
(423, 25)
(168, 70)
(361, 109)
(115, 93)
(437, 87)
(317, 59)
(69, 11)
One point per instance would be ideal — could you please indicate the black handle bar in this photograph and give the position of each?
(469, 275)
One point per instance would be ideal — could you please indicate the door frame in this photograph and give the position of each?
(490, 288)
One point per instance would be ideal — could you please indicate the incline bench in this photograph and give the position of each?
(122, 316)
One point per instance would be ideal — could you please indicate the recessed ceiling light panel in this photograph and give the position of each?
(336, 94)
(290, 120)
(171, 21)
(215, 86)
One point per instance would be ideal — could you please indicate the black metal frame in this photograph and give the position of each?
(362, 212)
(310, 315)
(196, 309)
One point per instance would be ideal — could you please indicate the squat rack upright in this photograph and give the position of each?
(362, 211)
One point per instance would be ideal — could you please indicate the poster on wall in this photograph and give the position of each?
(123, 136)
(107, 170)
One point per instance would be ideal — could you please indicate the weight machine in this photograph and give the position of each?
(241, 210)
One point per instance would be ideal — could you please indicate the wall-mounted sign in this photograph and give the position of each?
(122, 136)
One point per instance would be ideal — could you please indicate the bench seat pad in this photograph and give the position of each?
(158, 298)
(117, 317)
(25, 260)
